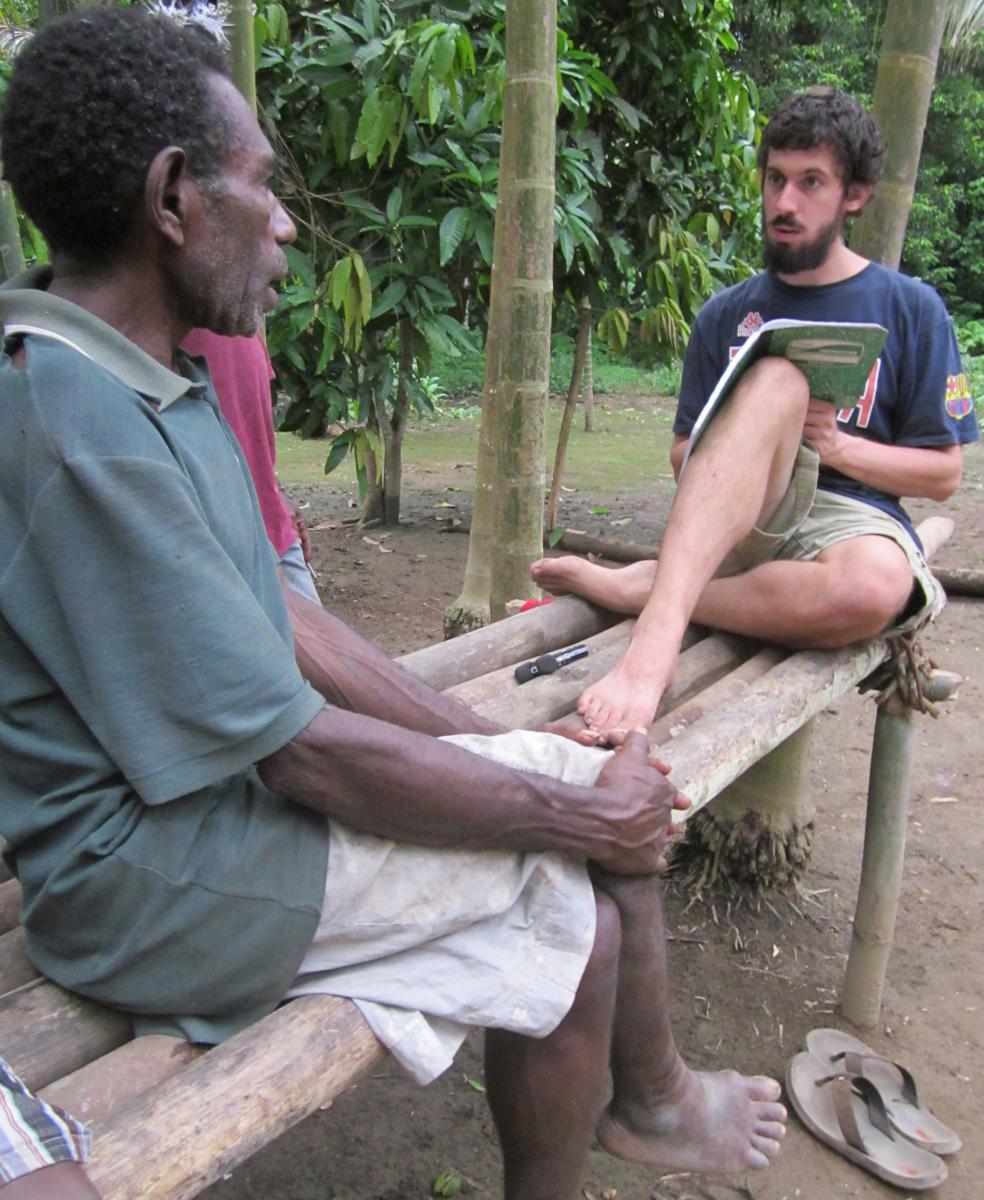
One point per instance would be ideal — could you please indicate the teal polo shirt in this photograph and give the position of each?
(146, 664)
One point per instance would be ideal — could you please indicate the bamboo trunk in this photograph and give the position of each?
(47, 1032)
(566, 620)
(882, 862)
(234, 1100)
(521, 294)
(961, 581)
(11, 255)
(759, 830)
(903, 88)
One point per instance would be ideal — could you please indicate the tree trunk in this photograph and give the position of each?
(242, 53)
(11, 254)
(518, 370)
(394, 427)
(903, 88)
(577, 371)
(759, 830)
(509, 470)
(372, 506)
(587, 375)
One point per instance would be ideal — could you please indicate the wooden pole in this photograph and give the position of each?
(194, 1127)
(568, 620)
(580, 353)
(881, 865)
(884, 852)
(961, 581)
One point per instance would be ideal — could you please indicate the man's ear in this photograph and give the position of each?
(856, 196)
(171, 196)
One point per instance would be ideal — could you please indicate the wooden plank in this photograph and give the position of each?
(715, 751)
(542, 700)
(197, 1126)
(693, 708)
(94, 1091)
(567, 620)
(493, 684)
(15, 967)
(10, 900)
(46, 1032)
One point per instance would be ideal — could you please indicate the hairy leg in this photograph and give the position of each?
(545, 1095)
(662, 1112)
(852, 590)
(736, 479)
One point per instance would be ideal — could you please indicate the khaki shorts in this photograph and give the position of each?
(809, 520)
(431, 942)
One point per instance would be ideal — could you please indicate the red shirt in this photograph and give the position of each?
(241, 372)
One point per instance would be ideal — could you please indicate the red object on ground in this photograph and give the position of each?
(536, 603)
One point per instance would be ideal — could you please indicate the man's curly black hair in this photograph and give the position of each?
(823, 116)
(92, 99)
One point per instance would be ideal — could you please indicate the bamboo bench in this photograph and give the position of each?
(170, 1118)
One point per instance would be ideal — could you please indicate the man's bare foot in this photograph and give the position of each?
(621, 700)
(559, 576)
(720, 1122)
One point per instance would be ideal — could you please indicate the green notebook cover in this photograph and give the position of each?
(835, 356)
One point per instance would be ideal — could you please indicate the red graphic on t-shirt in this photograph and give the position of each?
(866, 401)
(750, 323)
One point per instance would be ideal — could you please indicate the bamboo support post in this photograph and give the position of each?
(883, 856)
(881, 865)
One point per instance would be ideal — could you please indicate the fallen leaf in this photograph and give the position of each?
(444, 504)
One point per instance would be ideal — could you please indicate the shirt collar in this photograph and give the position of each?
(27, 307)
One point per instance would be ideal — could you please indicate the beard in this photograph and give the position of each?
(787, 259)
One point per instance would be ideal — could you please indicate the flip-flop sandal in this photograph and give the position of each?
(895, 1085)
(846, 1113)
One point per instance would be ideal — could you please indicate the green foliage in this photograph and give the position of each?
(787, 45)
(387, 118)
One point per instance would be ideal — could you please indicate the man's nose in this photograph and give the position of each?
(786, 199)
(284, 229)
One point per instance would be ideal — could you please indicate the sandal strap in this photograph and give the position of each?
(853, 1064)
(843, 1088)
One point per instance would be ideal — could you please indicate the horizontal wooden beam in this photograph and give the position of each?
(198, 1125)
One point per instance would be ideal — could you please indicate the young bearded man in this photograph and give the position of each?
(214, 794)
(786, 525)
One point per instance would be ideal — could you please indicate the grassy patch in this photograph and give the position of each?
(630, 448)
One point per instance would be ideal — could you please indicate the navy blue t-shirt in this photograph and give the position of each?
(917, 393)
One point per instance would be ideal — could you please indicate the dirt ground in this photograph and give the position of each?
(750, 977)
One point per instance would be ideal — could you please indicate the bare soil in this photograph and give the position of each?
(750, 976)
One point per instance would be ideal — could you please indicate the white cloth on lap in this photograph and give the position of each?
(429, 942)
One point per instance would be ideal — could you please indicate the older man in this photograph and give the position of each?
(213, 793)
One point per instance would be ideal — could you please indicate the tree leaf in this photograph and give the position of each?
(453, 228)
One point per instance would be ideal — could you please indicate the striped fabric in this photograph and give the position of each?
(34, 1134)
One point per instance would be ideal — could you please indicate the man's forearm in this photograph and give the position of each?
(930, 472)
(403, 785)
(352, 673)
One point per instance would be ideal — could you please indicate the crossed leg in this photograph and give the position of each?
(735, 480)
(851, 590)
(546, 1095)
